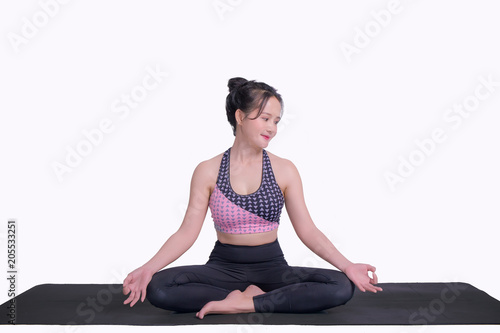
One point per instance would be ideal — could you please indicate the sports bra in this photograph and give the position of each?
(246, 214)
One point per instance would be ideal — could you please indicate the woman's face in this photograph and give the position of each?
(261, 130)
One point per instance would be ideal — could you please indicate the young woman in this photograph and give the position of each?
(246, 188)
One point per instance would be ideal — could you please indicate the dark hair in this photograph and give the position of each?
(248, 96)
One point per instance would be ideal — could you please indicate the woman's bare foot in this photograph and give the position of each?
(235, 302)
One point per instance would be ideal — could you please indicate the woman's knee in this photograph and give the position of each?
(345, 289)
(154, 292)
(348, 293)
(167, 289)
(158, 291)
(338, 291)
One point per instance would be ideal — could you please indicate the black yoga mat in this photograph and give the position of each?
(398, 304)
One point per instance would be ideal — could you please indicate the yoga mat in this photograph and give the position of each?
(398, 304)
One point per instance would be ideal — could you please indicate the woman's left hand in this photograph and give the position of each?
(358, 274)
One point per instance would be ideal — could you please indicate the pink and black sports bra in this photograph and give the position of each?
(246, 214)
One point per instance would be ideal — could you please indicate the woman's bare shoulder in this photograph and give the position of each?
(280, 164)
(287, 176)
(284, 171)
(209, 169)
(212, 163)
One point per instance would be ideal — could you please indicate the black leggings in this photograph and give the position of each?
(230, 267)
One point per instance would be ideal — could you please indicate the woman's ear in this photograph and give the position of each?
(240, 115)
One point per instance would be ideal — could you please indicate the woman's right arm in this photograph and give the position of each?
(137, 281)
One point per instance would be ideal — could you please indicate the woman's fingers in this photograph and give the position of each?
(140, 295)
(370, 285)
(134, 297)
(373, 279)
(362, 278)
(130, 298)
(135, 285)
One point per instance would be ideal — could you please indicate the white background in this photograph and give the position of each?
(346, 124)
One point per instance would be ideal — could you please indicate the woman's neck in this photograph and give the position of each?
(243, 152)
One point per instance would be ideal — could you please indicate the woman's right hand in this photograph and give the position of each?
(136, 283)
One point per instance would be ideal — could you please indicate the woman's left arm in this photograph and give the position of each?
(313, 238)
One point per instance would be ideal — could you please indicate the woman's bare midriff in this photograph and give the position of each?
(248, 239)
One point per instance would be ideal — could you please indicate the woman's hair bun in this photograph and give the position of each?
(236, 82)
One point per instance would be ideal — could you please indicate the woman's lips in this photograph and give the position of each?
(266, 137)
